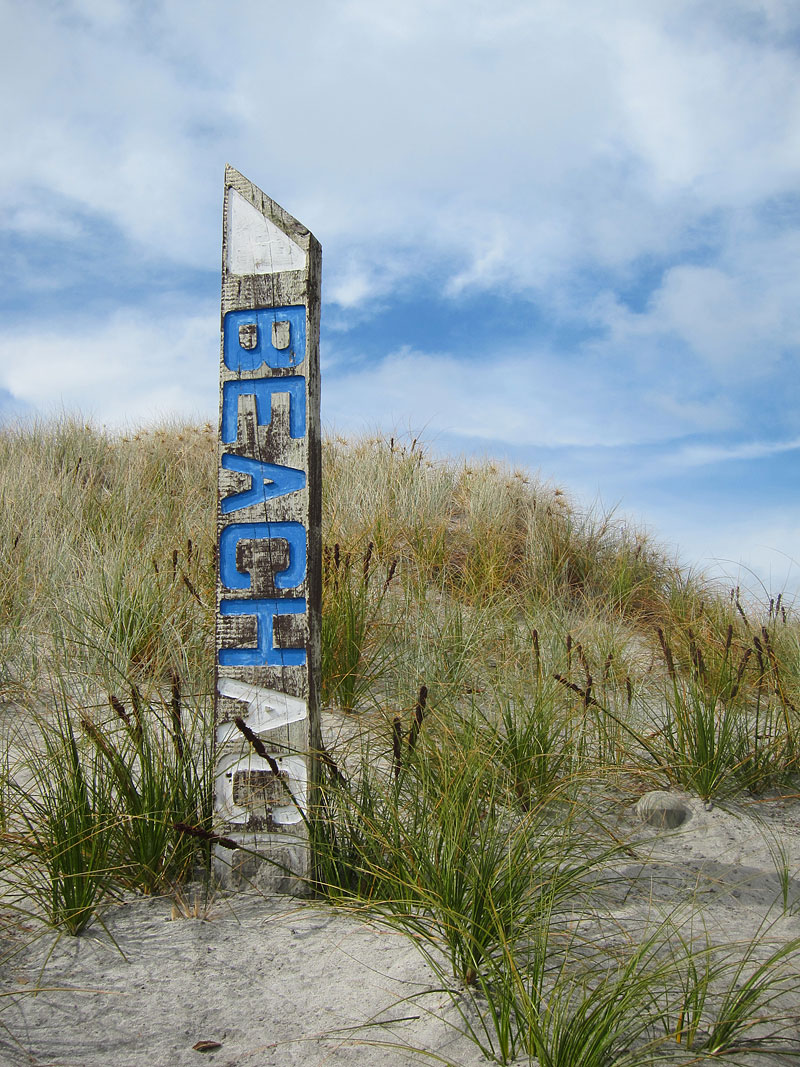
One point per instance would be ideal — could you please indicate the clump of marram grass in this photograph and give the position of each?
(56, 842)
(495, 866)
(106, 551)
(481, 529)
(510, 667)
(91, 806)
(354, 638)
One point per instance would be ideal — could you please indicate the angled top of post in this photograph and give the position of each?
(259, 236)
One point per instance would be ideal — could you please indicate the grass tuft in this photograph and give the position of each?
(509, 670)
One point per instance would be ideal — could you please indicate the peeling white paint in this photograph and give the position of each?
(256, 245)
(282, 815)
(295, 767)
(267, 709)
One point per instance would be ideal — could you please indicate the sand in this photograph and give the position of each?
(272, 981)
(281, 981)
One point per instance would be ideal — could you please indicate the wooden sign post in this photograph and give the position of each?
(269, 539)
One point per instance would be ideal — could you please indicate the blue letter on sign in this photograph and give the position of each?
(281, 480)
(265, 652)
(263, 389)
(292, 532)
(275, 336)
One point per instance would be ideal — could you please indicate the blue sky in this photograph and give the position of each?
(563, 232)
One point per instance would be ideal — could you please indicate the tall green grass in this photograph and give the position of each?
(355, 634)
(503, 896)
(92, 805)
(507, 668)
(60, 854)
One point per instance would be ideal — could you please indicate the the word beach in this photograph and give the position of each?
(268, 588)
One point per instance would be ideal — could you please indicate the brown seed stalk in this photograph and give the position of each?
(205, 835)
(667, 653)
(586, 696)
(419, 715)
(119, 709)
(175, 714)
(390, 574)
(257, 745)
(397, 746)
(367, 561)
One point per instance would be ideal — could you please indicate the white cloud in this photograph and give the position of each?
(515, 398)
(40, 219)
(708, 110)
(518, 141)
(757, 552)
(734, 320)
(128, 368)
(351, 289)
(573, 154)
(706, 454)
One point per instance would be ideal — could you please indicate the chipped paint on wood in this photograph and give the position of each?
(269, 540)
(255, 244)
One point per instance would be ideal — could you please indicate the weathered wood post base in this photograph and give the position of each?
(269, 542)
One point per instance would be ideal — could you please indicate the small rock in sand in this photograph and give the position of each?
(663, 809)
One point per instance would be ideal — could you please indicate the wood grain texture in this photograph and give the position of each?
(269, 502)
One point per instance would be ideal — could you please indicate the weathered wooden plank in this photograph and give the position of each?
(269, 537)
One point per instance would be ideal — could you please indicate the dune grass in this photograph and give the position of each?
(513, 668)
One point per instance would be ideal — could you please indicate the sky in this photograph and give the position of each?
(565, 234)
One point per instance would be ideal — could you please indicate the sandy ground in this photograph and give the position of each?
(276, 981)
(273, 981)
